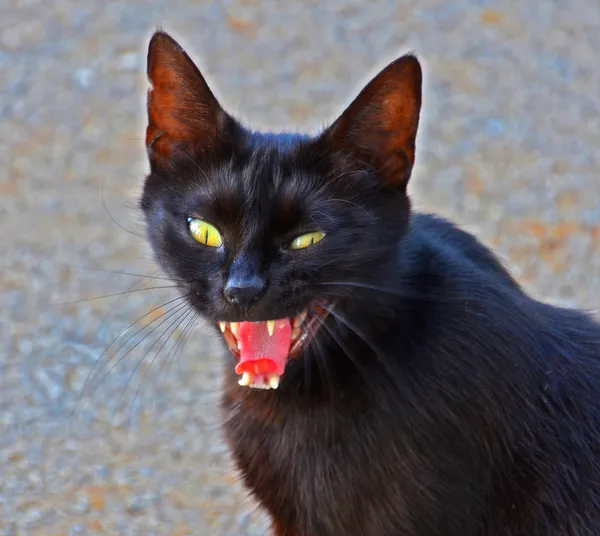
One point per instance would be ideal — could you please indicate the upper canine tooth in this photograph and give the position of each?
(274, 381)
(222, 326)
(235, 328)
(300, 318)
(271, 327)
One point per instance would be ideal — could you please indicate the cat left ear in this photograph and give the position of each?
(380, 125)
(182, 110)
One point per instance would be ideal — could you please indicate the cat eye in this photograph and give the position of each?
(307, 240)
(205, 233)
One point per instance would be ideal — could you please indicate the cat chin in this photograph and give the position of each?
(265, 373)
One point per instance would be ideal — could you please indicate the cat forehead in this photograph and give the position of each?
(268, 181)
(274, 166)
(257, 185)
(280, 142)
(243, 212)
(272, 175)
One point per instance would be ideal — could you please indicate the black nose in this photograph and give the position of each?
(243, 290)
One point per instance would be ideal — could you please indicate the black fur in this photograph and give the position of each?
(438, 399)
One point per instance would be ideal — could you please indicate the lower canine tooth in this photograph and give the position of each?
(235, 328)
(274, 381)
(271, 327)
(245, 379)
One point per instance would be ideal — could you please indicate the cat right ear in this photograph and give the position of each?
(183, 113)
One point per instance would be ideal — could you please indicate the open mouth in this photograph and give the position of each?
(263, 349)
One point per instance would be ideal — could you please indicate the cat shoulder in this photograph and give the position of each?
(457, 247)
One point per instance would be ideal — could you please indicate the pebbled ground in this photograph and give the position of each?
(508, 149)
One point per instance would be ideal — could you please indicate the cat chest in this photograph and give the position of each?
(322, 479)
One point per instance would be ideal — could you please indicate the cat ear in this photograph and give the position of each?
(182, 110)
(380, 126)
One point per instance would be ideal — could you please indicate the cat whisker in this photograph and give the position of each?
(94, 298)
(167, 316)
(323, 365)
(119, 272)
(349, 202)
(173, 327)
(345, 174)
(106, 349)
(361, 285)
(95, 383)
(331, 332)
(393, 292)
(93, 370)
(113, 219)
(152, 311)
(178, 348)
(316, 356)
(185, 155)
(381, 357)
(307, 375)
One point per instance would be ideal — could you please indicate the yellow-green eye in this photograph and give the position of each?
(307, 240)
(205, 233)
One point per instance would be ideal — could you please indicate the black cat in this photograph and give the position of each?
(387, 376)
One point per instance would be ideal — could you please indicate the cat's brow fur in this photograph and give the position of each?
(438, 399)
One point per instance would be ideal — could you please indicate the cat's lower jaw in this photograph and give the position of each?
(264, 348)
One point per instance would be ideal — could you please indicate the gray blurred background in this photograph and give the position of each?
(508, 148)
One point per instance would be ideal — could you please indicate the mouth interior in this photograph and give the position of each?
(264, 348)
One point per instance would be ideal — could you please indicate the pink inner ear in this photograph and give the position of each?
(381, 123)
(181, 108)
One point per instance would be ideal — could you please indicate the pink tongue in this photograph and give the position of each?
(261, 353)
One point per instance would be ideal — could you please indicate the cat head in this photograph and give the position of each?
(269, 234)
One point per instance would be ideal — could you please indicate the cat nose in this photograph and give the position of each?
(243, 290)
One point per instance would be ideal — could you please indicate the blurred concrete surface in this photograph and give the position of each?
(508, 148)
